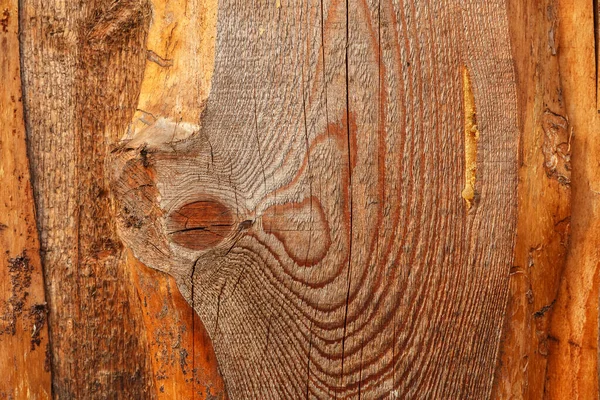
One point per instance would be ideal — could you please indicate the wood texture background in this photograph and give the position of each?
(544, 199)
(549, 348)
(24, 353)
(83, 67)
(330, 155)
(320, 148)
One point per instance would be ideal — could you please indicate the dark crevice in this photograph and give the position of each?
(542, 311)
(247, 224)
(310, 342)
(193, 327)
(349, 195)
(197, 228)
(324, 74)
(596, 52)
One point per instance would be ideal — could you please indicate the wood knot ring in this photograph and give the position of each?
(200, 225)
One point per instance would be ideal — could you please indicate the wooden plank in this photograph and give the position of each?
(544, 199)
(24, 363)
(177, 75)
(83, 71)
(573, 339)
(79, 90)
(346, 262)
(551, 338)
(183, 360)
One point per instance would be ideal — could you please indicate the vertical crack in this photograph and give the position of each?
(349, 196)
(262, 164)
(324, 74)
(193, 327)
(310, 341)
(310, 175)
(219, 308)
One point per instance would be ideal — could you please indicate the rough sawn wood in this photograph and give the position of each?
(24, 352)
(332, 134)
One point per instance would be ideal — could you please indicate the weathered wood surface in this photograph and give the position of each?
(550, 343)
(544, 199)
(24, 363)
(83, 65)
(573, 333)
(183, 361)
(313, 208)
(74, 95)
(270, 203)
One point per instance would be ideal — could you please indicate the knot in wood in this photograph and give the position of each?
(200, 225)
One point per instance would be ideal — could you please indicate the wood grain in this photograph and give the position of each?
(83, 72)
(333, 133)
(556, 75)
(573, 344)
(543, 228)
(82, 69)
(183, 360)
(24, 363)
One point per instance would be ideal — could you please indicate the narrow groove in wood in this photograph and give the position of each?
(471, 138)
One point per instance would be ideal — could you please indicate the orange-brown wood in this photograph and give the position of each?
(24, 362)
(183, 360)
(544, 199)
(549, 348)
(84, 65)
(309, 143)
(573, 333)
